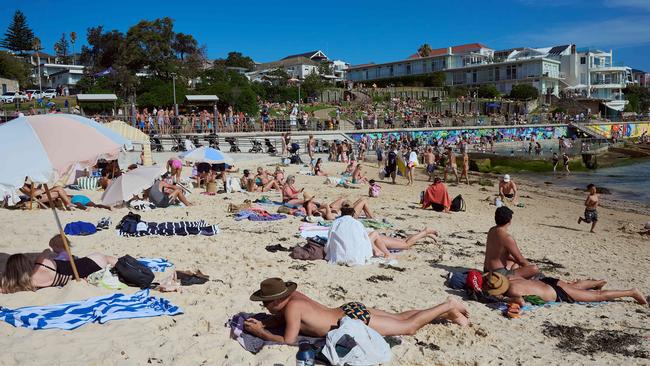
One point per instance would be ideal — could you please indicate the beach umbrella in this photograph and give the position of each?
(130, 183)
(48, 147)
(206, 154)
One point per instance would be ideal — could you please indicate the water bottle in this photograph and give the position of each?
(306, 355)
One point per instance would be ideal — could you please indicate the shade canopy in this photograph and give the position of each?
(130, 183)
(46, 148)
(206, 154)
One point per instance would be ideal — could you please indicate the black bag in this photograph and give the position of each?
(129, 223)
(133, 273)
(457, 204)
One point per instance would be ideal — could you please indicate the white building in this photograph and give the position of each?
(55, 75)
(300, 66)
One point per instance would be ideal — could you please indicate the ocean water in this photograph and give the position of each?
(629, 182)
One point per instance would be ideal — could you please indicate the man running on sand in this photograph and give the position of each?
(502, 255)
(552, 289)
(302, 315)
(591, 206)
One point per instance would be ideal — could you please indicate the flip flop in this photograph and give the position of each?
(514, 311)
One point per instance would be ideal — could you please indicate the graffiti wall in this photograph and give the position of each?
(621, 129)
(451, 135)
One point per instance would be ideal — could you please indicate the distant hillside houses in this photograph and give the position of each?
(299, 66)
(53, 73)
(582, 72)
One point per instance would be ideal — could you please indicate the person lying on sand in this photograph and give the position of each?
(508, 190)
(163, 194)
(290, 192)
(302, 315)
(21, 274)
(553, 289)
(329, 211)
(84, 203)
(502, 255)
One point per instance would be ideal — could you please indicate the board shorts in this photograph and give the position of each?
(356, 310)
(591, 215)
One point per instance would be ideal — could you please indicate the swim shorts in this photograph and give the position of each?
(591, 215)
(356, 310)
(431, 168)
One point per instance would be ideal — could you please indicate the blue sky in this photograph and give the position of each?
(360, 31)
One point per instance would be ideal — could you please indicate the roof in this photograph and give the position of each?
(41, 54)
(308, 55)
(96, 97)
(454, 49)
(637, 71)
(286, 62)
(74, 71)
(202, 98)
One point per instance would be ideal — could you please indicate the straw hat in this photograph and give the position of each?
(273, 289)
(495, 284)
(306, 196)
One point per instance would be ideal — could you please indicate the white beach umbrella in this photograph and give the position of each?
(206, 154)
(130, 183)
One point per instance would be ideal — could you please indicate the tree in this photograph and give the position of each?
(488, 91)
(638, 97)
(235, 59)
(436, 80)
(184, 44)
(73, 40)
(325, 68)
(458, 91)
(62, 49)
(13, 68)
(148, 45)
(424, 50)
(312, 85)
(19, 37)
(524, 92)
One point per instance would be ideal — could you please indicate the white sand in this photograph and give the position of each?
(236, 262)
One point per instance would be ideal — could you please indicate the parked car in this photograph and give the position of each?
(33, 94)
(7, 97)
(49, 93)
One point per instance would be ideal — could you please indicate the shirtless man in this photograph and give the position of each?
(552, 289)
(430, 162)
(311, 142)
(302, 315)
(451, 164)
(508, 189)
(502, 254)
(591, 206)
(465, 172)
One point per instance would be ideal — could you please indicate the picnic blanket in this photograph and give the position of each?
(254, 344)
(99, 309)
(156, 264)
(256, 214)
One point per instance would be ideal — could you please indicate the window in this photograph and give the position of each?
(597, 61)
(583, 60)
(377, 72)
(583, 78)
(474, 76)
(497, 74)
(408, 69)
(391, 70)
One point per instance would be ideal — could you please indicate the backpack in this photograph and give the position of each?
(133, 273)
(457, 204)
(129, 223)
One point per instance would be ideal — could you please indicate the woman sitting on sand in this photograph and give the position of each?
(290, 192)
(349, 169)
(357, 176)
(279, 175)
(251, 184)
(21, 274)
(318, 169)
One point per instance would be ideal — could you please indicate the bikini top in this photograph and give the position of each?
(59, 279)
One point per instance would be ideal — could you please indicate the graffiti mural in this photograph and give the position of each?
(621, 130)
(452, 135)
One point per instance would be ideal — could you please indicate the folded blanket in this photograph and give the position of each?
(99, 309)
(254, 344)
(156, 264)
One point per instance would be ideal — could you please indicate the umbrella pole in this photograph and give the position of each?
(31, 196)
(63, 237)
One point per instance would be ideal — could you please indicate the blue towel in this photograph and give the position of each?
(156, 264)
(95, 310)
(80, 228)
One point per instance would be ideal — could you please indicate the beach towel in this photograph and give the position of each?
(256, 214)
(88, 183)
(348, 242)
(99, 309)
(254, 344)
(80, 228)
(156, 264)
(181, 228)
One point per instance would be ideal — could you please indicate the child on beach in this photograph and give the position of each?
(374, 188)
(58, 249)
(591, 204)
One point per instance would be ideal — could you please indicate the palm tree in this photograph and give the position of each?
(424, 50)
(73, 39)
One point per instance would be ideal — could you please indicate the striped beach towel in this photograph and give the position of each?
(88, 183)
(156, 264)
(99, 309)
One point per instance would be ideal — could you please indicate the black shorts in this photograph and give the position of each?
(591, 216)
(203, 168)
(391, 168)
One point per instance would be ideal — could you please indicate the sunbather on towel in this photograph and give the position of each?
(331, 211)
(83, 202)
(553, 289)
(21, 274)
(302, 315)
(502, 254)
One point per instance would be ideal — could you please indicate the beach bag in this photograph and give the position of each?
(129, 223)
(457, 204)
(133, 273)
(80, 228)
(354, 343)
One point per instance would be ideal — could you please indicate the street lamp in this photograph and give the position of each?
(174, 89)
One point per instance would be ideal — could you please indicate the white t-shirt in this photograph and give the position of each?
(413, 157)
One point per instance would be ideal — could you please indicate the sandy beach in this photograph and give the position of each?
(546, 230)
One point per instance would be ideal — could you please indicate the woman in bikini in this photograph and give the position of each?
(290, 192)
(318, 170)
(22, 274)
(41, 196)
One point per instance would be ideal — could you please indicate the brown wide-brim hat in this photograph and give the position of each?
(273, 289)
(495, 284)
(306, 196)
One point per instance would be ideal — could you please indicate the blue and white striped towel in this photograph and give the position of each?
(94, 310)
(156, 264)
